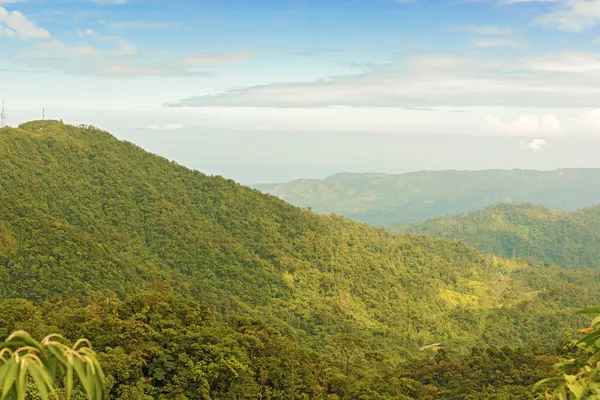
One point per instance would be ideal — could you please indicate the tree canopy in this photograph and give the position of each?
(389, 199)
(571, 240)
(187, 284)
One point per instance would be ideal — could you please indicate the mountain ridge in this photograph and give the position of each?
(77, 202)
(569, 239)
(393, 199)
(190, 285)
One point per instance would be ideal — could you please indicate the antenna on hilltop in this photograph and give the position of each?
(43, 114)
(2, 117)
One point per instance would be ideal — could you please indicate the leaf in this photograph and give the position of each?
(10, 377)
(91, 355)
(21, 381)
(58, 353)
(576, 389)
(589, 310)
(50, 366)
(540, 383)
(22, 338)
(42, 379)
(80, 369)
(589, 339)
(69, 380)
(5, 367)
(27, 360)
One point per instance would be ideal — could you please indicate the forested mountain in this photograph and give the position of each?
(524, 230)
(195, 284)
(387, 200)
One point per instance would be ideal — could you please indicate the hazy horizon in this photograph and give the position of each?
(269, 157)
(273, 91)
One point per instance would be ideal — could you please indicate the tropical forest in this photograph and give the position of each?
(300, 200)
(191, 286)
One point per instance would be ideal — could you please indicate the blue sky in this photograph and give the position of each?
(271, 90)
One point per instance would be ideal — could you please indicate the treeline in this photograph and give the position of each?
(571, 240)
(82, 212)
(192, 284)
(159, 345)
(389, 199)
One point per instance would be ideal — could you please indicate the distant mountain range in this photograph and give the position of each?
(524, 230)
(193, 286)
(82, 212)
(385, 199)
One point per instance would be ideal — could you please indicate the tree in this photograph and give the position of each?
(347, 345)
(580, 376)
(24, 360)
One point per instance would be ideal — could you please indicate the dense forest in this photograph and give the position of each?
(193, 286)
(524, 230)
(388, 200)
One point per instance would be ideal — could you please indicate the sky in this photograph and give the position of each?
(272, 90)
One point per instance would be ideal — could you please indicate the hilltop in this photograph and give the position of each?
(524, 230)
(387, 199)
(84, 212)
(89, 224)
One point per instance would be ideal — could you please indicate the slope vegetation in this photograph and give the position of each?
(525, 230)
(82, 212)
(387, 200)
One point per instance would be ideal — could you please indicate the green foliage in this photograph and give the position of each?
(160, 345)
(196, 287)
(86, 213)
(580, 376)
(524, 230)
(389, 200)
(24, 360)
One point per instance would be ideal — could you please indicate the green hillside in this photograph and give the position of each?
(387, 200)
(91, 227)
(525, 230)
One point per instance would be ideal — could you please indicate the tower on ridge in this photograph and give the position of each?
(2, 117)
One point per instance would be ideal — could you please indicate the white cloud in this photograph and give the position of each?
(131, 68)
(497, 42)
(535, 146)
(564, 80)
(573, 16)
(87, 61)
(167, 127)
(107, 2)
(565, 63)
(211, 59)
(53, 48)
(525, 125)
(528, 1)
(588, 122)
(58, 48)
(7, 32)
(142, 24)
(490, 30)
(124, 47)
(108, 57)
(16, 22)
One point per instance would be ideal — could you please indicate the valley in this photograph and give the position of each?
(151, 260)
(389, 200)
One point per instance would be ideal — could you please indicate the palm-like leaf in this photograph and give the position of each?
(22, 357)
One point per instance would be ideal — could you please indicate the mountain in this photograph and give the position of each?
(525, 230)
(196, 284)
(386, 200)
